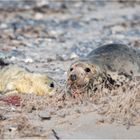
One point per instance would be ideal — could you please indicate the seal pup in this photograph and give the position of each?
(16, 79)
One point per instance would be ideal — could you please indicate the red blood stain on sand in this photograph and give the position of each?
(12, 99)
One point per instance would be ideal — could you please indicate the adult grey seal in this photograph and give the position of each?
(111, 65)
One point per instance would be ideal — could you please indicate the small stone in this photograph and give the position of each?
(50, 59)
(44, 115)
(13, 108)
(118, 29)
(38, 16)
(60, 58)
(13, 58)
(3, 26)
(73, 55)
(2, 118)
(119, 36)
(28, 60)
(77, 111)
(61, 114)
(12, 128)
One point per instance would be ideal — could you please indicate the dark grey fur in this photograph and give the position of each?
(116, 58)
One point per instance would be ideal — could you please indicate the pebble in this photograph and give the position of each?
(118, 29)
(3, 26)
(13, 58)
(12, 128)
(73, 55)
(61, 114)
(120, 36)
(2, 118)
(45, 115)
(28, 60)
(38, 16)
(59, 57)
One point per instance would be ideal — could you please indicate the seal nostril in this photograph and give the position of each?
(73, 77)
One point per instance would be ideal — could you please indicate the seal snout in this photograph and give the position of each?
(73, 77)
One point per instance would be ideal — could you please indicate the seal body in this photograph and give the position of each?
(111, 63)
(15, 79)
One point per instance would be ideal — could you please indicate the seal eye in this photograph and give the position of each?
(52, 85)
(71, 69)
(87, 69)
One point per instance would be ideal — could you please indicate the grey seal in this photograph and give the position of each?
(111, 65)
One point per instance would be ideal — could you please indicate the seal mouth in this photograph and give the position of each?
(75, 89)
(77, 80)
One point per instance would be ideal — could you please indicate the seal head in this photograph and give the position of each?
(81, 72)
